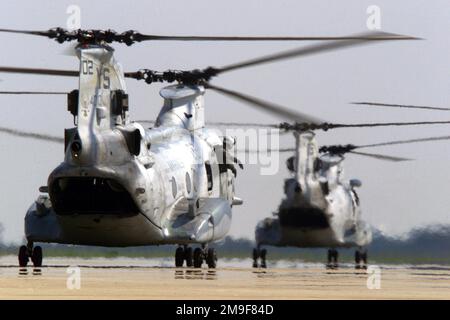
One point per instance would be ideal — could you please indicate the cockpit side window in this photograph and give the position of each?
(317, 164)
(209, 175)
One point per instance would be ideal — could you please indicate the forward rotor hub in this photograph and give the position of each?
(93, 36)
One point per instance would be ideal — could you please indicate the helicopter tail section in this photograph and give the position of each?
(101, 82)
(306, 155)
(99, 106)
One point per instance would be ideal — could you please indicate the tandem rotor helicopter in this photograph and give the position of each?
(121, 184)
(321, 209)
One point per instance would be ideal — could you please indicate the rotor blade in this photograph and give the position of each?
(307, 126)
(399, 106)
(397, 142)
(241, 124)
(226, 124)
(131, 36)
(202, 76)
(327, 126)
(380, 156)
(32, 135)
(31, 32)
(282, 150)
(266, 106)
(378, 36)
(343, 42)
(50, 72)
(32, 92)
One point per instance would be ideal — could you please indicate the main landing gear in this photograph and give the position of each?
(259, 254)
(195, 258)
(29, 252)
(332, 259)
(361, 259)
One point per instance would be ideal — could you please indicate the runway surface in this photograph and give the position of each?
(124, 278)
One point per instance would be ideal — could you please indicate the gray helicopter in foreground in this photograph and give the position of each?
(320, 209)
(121, 184)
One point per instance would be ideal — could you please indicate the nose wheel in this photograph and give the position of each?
(259, 258)
(332, 259)
(29, 252)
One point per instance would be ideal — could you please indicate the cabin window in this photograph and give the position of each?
(174, 187)
(209, 175)
(188, 183)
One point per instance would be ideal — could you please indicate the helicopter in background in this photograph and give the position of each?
(321, 209)
(121, 184)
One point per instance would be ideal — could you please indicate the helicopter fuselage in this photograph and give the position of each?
(140, 201)
(123, 185)
(320, 208)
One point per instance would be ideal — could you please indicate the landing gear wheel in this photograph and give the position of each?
(211, 258)
(364, 259)
(189, 256)
(179, 257)
(361, 259)
(198, 258)
(336, 256)
(329, 258)
(23, 256)
(357, 259)
(255, 257)
(263, 255)
(36, 257)
(332, 259)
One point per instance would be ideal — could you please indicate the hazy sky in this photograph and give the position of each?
(395, 197)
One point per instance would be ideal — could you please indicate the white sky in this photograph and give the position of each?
(395, 197)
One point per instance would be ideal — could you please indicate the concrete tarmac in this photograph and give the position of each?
(155, 279)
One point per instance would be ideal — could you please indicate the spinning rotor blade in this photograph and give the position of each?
(309, 126)
(266, 106)
(196, 76)
(380, 156)
(325, 126)
(32, 135)
(241, 124)
(130, 37)
(50, 72)
(201, 76)
(31, 32)
(345, 42)
(32, 92)
(267, 150)
(342, 149)
(372, 155)
(225, 124)
(397, 142)
(380, 36)
(376, 104)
